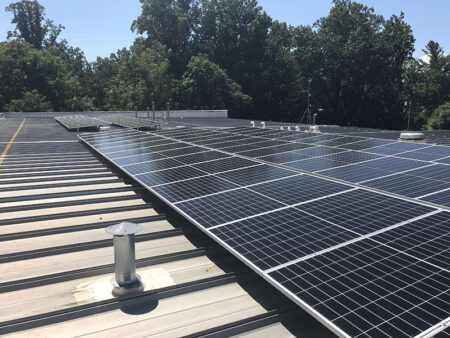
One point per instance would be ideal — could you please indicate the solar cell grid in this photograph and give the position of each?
(420, 155)
(364, 211)
(427, 239)
(352, 157)
(138, 158)
(321, 137)
(314, 164)
(340, 141)
(394, 164)
(145, 167)
(225, 164)
(183, 151)
(270, 150)
(437, 172)
(445, 160)
(441, 197)
(395, 148)
(201, 157)
(288, 156)
(407, 185)
(320, 151)
(256, 174)
(192, 188)
(296, 189)
(169, 175)
(281, 236)
(366, 143)
(367, 289)
(355, 173)
(228, 206)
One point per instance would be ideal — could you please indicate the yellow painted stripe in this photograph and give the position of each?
(11, 141)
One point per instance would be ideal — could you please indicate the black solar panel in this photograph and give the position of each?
(145, 167)
(256, 174)
(370, 290)
(427, 239)
(228, 206)
(296, 189)
(364, 211)
(169, 175)
(201, 157)
(355, 173)
(224, 164)
(441, 197)
(408, 185)
(192, 188)
(281, 236)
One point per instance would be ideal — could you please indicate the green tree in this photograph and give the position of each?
(136, 77)
(206, 85)
(31, 24)
(354, 58)
(30, 102)
(167, 22)
(440, 119)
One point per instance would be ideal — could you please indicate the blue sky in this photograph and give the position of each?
(100, 27)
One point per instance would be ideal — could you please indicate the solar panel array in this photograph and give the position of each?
(80, 121)
(419, 171)
(364, 263)
(130, 122)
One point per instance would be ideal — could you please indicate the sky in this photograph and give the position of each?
(101, 27)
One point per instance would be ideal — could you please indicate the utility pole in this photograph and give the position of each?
(309, 103)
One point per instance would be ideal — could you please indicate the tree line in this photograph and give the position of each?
(355, 65)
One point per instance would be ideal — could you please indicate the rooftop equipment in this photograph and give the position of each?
(125, 281)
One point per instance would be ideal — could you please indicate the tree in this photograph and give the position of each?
(136, 77)
(354, 58)
(31, 24)
(167, 22)
(427, 84)
(31, 102)
(206, 85)
(440, 119)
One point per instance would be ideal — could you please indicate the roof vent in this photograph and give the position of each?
(314, 129)
(125, 281)
(263, 124)
(412, 136)
(252, 123)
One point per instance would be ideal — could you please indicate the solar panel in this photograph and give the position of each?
(314, 164)
(192, 188)
(224, 164)
(441, 197)
(407, 185)
(364, 211)
(355, 173)
(370, 290)
(256, 174)
(80, 121)
(300, 188)
(281, 236)
(130, 122)
(427, 239)
(226, 207)
(169, 175)
(338, 251)
(145, 167)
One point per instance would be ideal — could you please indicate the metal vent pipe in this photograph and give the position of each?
(125, 281)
